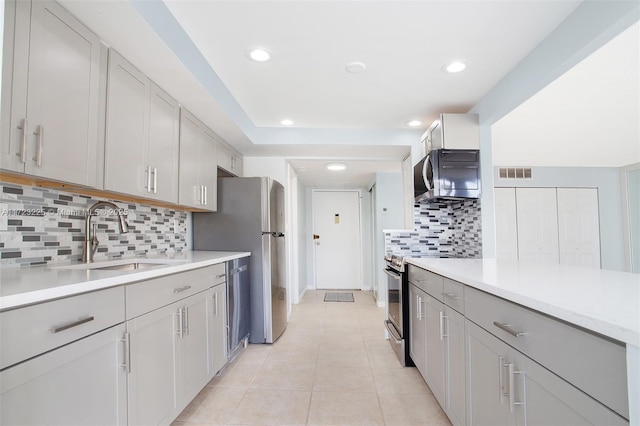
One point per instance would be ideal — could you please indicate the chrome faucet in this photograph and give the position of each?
(90, 240)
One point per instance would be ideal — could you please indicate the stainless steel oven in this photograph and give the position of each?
(397, 322)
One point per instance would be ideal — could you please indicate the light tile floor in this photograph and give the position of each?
(332, 366)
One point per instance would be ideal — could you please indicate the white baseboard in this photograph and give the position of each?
(303, 293)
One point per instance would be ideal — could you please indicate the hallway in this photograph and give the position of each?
(332, 366)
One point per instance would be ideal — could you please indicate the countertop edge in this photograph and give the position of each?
(596, 325)
(19, 300)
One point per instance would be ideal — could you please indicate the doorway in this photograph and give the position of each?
(337, 239)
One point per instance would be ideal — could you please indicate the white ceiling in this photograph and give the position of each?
(197, 51)
(590, 116)
(403, 44)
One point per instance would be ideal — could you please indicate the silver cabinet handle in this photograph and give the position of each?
(201, 195)
(215, 297)
(23, 141)
(501, 388)
(220, 276)
(508, 329)
(185, 311)
(81, 321)
(441, 326)
(127, 352)
(512, 394)
(417, 307)
(421, 304)
(181, 289)
(451, 296)
(155, 180)
(40, 133)
(180, 324)
(148, 188)
(206, 198)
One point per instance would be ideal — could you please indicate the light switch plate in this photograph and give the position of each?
(4, 217)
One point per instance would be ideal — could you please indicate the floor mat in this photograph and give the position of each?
(332, 296)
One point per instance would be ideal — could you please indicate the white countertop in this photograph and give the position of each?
(606, 302)
(26, 286)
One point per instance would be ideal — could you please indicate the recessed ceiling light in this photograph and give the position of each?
(355, 67)
(414, 123)
(454, 67)
(286, 122)
(259, 55)
(336, 167)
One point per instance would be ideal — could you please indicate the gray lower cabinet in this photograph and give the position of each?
(455, 377)
(218, 328)
(80, 383)
(487, 389)
(435, 348)
(509, 388)
(152, 344)
(417, 348)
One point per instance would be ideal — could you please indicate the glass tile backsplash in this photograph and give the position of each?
(47, 226)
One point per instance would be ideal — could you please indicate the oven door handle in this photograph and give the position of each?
(393, 275)
(392, 331)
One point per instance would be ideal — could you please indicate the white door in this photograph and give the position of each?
(506, 223)
(537, 224)
(579, 226)
(337, 247)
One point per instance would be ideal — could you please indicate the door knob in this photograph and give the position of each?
(316, 236)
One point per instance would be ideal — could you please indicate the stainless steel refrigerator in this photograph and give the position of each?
(250, 217)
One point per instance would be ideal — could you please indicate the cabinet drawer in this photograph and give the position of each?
(145, 296)
(453, 294)
(32, 330)
(592, 363)
(428, 282)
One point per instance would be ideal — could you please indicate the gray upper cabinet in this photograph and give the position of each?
(141, 151)
(229, 159)
(198, 159)
(52, 127)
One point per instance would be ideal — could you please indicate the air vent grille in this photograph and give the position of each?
(514, 172)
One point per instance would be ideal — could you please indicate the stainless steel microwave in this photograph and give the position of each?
(446, 175)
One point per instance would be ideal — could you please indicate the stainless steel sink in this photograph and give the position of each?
(129, 266)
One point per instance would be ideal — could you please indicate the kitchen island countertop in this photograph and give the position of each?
(36, 284)
(605, 302)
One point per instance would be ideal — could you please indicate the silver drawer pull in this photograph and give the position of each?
(181, 289)
(508, 329)
(451, 295)
(71, 325)
(220, 276)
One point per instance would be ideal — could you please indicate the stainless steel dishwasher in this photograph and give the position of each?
(238, 305)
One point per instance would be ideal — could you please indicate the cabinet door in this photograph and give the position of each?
(487, 397)
(506, 223)
(579, 227)
(207, 170)
(455, 405)
(537, 224)
(151, 379)
(63, 98)
(218, 334)
(164, 133)
(435, 367)
(190, 192)
(192, 360)
(80, 383)
(225, 157)
(417, 328)
(238, 167)
(127, 128)
(553, 401)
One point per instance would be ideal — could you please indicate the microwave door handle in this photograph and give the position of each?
(427, 160)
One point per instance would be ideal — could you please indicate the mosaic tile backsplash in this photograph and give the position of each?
(441, 230)
(47, 226)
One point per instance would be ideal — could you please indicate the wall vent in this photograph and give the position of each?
(514, 172)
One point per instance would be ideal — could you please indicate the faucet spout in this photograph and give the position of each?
(90, 240)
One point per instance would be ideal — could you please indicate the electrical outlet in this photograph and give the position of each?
(4, 217)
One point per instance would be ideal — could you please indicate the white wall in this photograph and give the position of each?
(607, 180)
(389, 212)
(367, 245)
(273, 167)
(304, 235)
